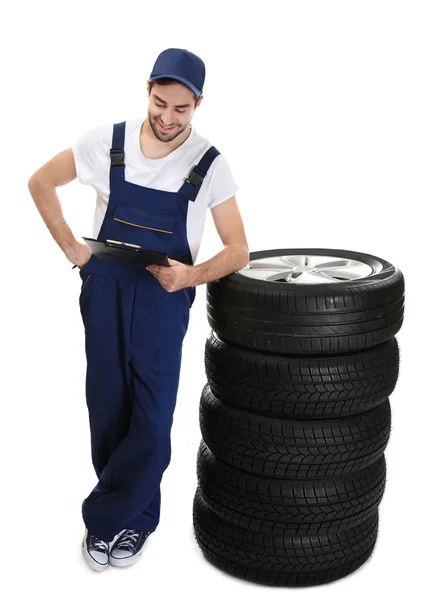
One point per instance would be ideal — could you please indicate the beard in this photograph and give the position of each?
(160, 135)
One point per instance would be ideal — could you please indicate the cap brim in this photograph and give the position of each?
(182, 79)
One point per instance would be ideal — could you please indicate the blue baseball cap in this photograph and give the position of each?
(181, 65)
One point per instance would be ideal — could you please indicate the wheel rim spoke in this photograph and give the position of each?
(306, 269)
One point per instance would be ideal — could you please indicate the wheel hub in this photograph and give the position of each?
(307, 269)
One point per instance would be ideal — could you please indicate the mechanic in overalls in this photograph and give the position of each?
(136, 317)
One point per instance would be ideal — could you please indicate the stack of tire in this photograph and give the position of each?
(295, 415)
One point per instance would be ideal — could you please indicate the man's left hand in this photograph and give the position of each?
(173, 278)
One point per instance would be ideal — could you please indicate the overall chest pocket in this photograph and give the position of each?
(160, 221)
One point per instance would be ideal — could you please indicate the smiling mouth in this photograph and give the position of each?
(165, 128)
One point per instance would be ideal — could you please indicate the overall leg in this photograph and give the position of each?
(107, 375)
(128, 493)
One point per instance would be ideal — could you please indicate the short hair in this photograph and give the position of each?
(168, 81)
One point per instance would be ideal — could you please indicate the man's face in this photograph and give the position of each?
(172, 106)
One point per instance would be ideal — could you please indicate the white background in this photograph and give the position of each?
(326, 113)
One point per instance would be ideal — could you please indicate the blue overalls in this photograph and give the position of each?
(134, 331)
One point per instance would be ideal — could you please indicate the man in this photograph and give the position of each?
(135, 318)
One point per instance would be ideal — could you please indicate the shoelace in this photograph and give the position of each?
(127, 539)
(99, 544)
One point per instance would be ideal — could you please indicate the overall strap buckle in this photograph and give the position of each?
(117, 157)
(196, 176)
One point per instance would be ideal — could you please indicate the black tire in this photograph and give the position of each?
(301, 387)
(290, 449)
(288, 507)
(308, 319)
(277, 560)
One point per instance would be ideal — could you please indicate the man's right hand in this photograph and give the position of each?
(80, 256)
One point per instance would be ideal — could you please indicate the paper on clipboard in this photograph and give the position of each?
(125, 251)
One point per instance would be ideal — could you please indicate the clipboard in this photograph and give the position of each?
(116, 250)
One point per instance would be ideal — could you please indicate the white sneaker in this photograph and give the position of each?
(128, 547)
(95, 551)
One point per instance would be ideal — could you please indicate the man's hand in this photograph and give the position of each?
(173, 278)
(79, 255)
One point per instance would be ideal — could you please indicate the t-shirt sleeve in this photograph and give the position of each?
(87, 153)
(223, 185)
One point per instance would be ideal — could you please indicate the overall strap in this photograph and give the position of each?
(193, 181)
(117, 167)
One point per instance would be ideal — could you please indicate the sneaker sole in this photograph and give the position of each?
(96, 566)
(125, 562)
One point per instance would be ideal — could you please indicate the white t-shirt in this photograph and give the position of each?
(92, 158)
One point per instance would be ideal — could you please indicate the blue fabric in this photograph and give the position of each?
(134, 330)
(182, 65)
